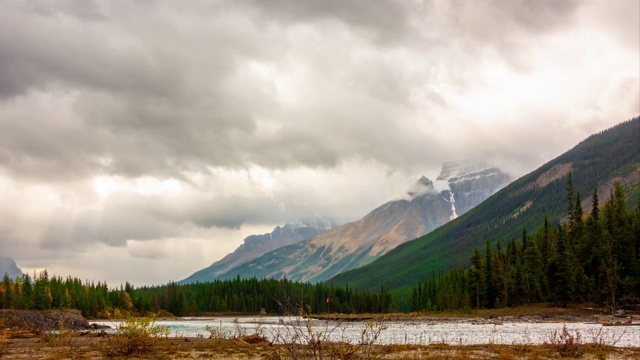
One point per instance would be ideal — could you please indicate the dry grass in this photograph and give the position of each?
(92, 347)
(141, 339)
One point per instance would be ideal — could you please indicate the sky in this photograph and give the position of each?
(141, 141)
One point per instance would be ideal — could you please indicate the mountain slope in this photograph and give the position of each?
(9, 267)
(257, 245)
(459, 187)
(599, 161)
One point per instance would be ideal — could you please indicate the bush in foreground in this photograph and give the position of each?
(135, 336)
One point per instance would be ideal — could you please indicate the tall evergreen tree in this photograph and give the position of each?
(490, 286)
(562, 279)
(570, 189)
(545, 243)
(7, 298)
(595, 206)
(476, 278)
(534, 269)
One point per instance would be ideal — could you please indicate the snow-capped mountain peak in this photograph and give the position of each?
(453, 170)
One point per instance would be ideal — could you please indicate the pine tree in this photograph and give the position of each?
(561, 271)
(8, 286)
(595, 206)
(570, 194)
(576, 227)
(476, 278)
(593, 250)
(490, 287)
(610, 275)
(533, 267)
(545, 243)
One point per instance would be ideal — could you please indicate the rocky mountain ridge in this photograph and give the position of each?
(257, 245)
(9, 267)
(460, 186)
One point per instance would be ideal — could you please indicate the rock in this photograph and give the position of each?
(41, 321)
(94, 326)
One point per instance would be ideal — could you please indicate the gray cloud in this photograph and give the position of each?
(387, 21)
(266, 111)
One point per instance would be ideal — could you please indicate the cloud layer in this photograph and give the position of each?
(169, 131)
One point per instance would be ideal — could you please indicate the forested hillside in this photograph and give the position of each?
(597, 162)
(587, 259)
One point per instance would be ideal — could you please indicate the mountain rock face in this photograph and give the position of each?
(257, 245)
(428, 205)
(597, 162)
(9, 267)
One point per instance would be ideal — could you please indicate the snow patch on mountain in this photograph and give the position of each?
(467, 169)
(452, 201)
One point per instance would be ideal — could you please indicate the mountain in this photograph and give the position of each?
(428, 205)
(9, 267)
(257, 245)
(599, 161)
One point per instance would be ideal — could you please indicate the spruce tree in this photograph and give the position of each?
(533, 267)
(7, 298)
(545, 244)
(562, 271)
(570, 194)
(476, 278)
(491, 290)
(595, 206)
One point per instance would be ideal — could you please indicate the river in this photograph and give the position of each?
(458, 332)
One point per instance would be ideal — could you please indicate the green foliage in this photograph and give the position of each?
(238, 295)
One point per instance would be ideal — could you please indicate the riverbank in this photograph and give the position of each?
(437, 339)
(95, 347)
(534, 313)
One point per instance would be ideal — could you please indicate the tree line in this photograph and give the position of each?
(42, 292)
(591, 257)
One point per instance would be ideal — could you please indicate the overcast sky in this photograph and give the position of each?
(143, 140)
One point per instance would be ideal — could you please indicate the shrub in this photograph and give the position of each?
(567, 344)
(135, 336)
(302, 341)
(62, 337)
